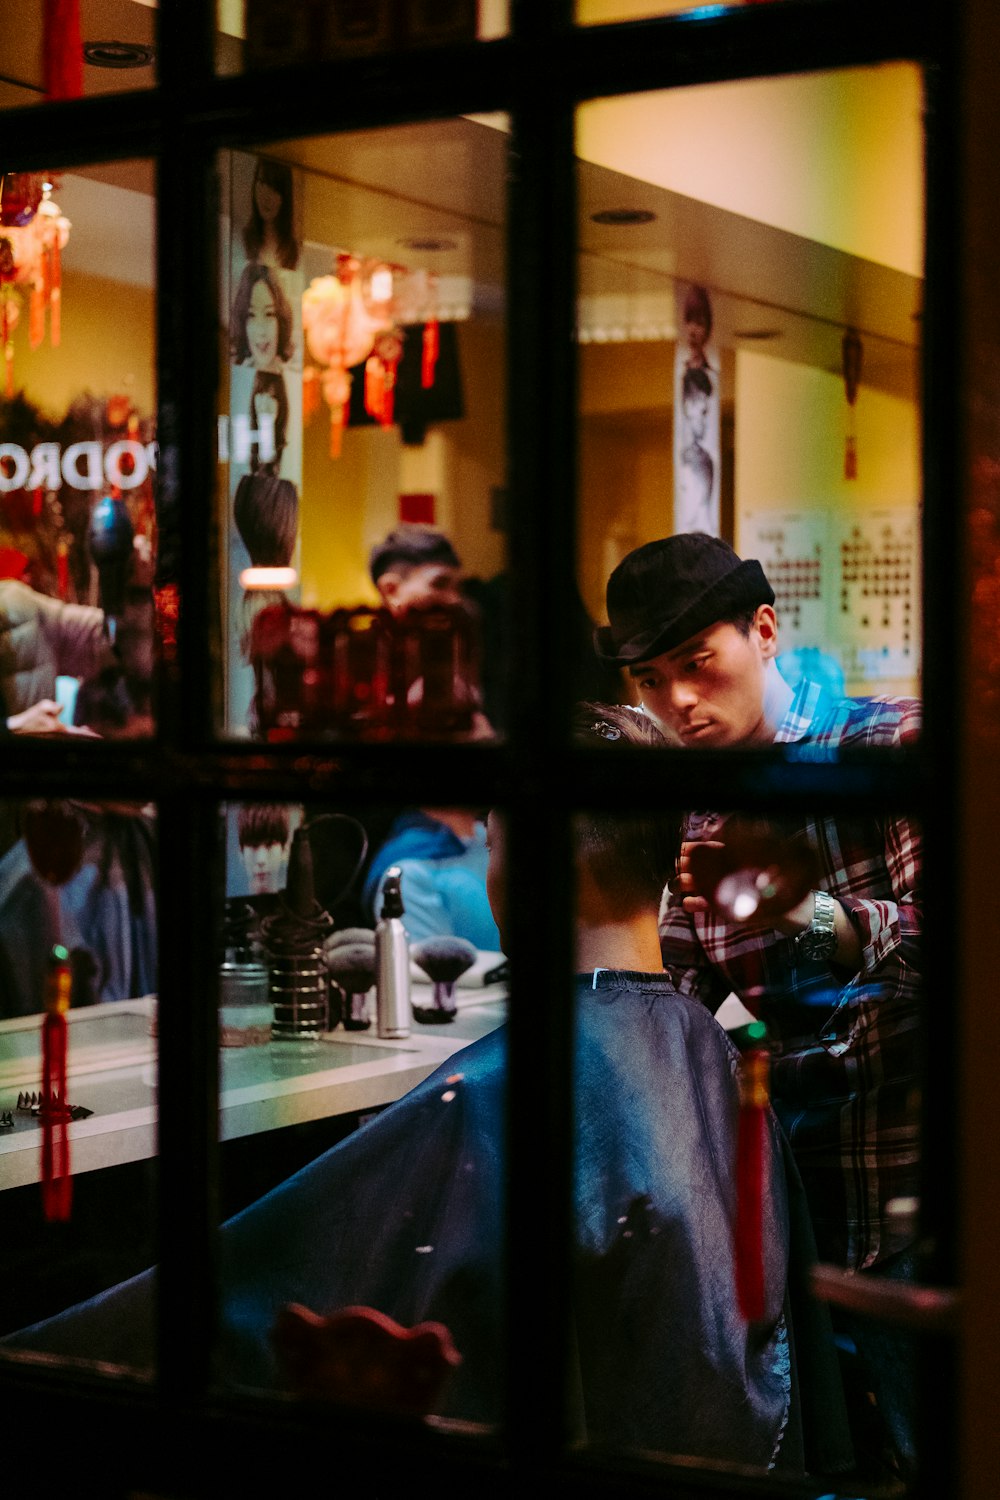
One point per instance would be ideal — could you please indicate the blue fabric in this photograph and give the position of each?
(407, 1215)
(99, 910)
(443, 884)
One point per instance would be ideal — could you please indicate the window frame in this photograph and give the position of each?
(538, 75)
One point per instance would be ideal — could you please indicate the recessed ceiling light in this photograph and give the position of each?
(620, 216)
(428, 243)
(117, 54)
(760, 335)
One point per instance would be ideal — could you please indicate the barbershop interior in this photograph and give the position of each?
(499, 596)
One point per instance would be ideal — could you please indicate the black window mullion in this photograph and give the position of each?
(190, 873)
(541, 563)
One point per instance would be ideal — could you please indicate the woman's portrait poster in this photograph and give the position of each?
(696, 414)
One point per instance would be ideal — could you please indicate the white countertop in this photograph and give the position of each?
(112, 1071)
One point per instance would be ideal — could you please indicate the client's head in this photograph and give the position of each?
(622, 861)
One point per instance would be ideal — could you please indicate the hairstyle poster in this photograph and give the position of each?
(266, 282)
(696, 414)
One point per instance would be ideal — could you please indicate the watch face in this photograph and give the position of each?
(817, 944)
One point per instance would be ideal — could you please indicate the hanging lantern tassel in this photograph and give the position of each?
(851, 353)
(431, 347)
(375, 388)
(754, 1085)
(55, 294)
(8, 347)
(53, 1112)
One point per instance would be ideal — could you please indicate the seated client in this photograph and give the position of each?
(407, 1214)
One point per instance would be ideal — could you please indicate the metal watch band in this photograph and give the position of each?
(820, 938)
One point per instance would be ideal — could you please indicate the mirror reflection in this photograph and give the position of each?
(361, 453)
(749, 310)
(77, 452)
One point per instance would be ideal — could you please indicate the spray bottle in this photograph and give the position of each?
(392, 961)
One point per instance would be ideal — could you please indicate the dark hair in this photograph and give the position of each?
(697, 307)
(263, 823)
(411, 546)
(629, 857)
(743, 619)
(238, 345)
(266, 511)
(270, 383)
(695, 382)
(276, 175)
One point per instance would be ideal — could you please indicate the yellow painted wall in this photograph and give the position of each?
(791, 423)
(349, 503)
(835, 157)
(791, 426)
(108, 347)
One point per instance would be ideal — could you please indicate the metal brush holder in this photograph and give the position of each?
(299, 990)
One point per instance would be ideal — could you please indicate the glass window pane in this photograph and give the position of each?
(600, 12)
(258, 34)
(362, 456)
(78, 451)
(42, 58)
(364, 1053)
(697, 1228)
(77, 1179)
(749, 312)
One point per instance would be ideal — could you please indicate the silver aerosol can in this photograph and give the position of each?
(392, 961)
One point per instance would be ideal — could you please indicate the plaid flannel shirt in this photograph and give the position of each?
(845, 1065)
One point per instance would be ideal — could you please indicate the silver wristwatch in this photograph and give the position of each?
(820, 938)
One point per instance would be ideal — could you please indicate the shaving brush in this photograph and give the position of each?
(352, 966)
(444, 960)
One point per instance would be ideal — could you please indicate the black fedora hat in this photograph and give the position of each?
(662, 594)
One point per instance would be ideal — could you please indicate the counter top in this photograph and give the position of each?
(112, 1072)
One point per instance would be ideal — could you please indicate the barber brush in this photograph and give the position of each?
(444, 960)
(352, 966)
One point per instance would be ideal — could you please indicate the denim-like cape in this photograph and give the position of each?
(407, 1215)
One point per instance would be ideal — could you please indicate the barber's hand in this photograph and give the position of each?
(44, 717)
(683, 882)
(774, 895)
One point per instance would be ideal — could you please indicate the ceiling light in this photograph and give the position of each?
(117, 54)
(428, 243)
(618, 217)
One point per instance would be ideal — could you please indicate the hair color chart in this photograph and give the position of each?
(846, 586)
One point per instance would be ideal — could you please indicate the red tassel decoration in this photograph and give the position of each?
(62, 568)
(63, 50)
(8, 351)
(36, 313)
(754, 1083)
(53, 1112)
(431, 347)
(55, 296)
(375, 388)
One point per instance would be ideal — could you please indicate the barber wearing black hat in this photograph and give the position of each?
(837, 979)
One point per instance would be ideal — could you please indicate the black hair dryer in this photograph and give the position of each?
(110, 537)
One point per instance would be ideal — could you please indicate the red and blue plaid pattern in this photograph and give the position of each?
(846, 1062)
